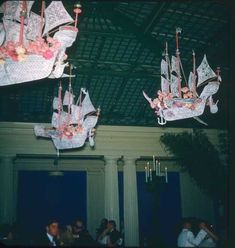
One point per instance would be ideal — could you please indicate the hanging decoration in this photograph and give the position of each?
(71, 128)
(28, 50)
(174, 102)
(154, 172)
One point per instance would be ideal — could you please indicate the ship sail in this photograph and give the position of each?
(33, 28)
(174, 66)
(56, 15)
(191, 81)
(175, 77)
(12, 31)
(68, 98)
(29, 5)
(174, 86)
(87, 106)
(12, 9)
(205, 73)
(164, 76)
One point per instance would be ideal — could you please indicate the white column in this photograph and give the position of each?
(111, 191)
(131, 217)
(7, 197)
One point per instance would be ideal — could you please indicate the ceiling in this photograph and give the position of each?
(117, 55)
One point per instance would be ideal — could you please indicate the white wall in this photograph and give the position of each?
(114, 141)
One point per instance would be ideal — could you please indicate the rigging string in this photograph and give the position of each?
(42, 14)
(23, 14)
(168, 67)
(194, 75)
(59, 106)
(178, 61)
(70, 92)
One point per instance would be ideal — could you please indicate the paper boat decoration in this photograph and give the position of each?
(27, 52)
(71, 128)
(175, 102)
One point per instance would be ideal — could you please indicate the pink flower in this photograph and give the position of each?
(48, 54)
(50, 39)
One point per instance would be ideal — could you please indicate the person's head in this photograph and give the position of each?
(202, 224)
(52, 228)
(187, 224)
(77, 226)
(104, 223)
(111, 224)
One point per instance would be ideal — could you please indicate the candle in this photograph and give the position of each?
(150, 172)
(166, 176)
(146, 175)
(154, 165)
(159, 168)
(148, 169)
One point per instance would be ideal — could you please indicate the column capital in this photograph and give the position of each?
(110, 160)
(130, 161)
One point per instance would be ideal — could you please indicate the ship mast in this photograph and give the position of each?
(178, 30)
(194, 76)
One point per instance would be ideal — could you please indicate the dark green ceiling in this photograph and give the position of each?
(117, 55)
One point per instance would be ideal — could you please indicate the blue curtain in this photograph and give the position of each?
(42, 197)
(170, 209)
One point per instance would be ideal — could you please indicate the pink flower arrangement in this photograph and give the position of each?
(40, 46)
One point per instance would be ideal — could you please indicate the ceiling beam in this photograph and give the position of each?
(118, 19)
(154, 17)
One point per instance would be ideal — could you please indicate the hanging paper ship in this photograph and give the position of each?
(71, 128)
(27, 52)
(175, 102)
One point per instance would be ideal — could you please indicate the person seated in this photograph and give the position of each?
(211, 238)
(114, 237)
(66, 236)
(186, 237)
(102, 236)
(51, 236)
(81, 235)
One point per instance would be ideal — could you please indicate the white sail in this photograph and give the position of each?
(56, 103)
(174, 65)
(29, 5)
(12, 31)
(56, 15)
(192, 82)
(87, 106)
(59, 120)
(164, 69)
(204, 72)
(174, 86)
(68, 98)
(12, 9)
(33, 28)
(9, 9)
(2, 34)
(76, 114)
(164, 85)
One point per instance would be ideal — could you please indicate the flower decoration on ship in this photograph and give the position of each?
(174, 102)
(33, 46)
(73, 121)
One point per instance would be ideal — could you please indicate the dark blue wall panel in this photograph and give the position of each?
(42, 197)
(170, 209)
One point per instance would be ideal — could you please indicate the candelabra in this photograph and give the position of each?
(154, 172)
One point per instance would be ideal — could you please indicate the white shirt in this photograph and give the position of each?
(51, 239)
(186, 238)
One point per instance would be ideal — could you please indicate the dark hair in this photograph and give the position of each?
(51, 222)
(112, 222)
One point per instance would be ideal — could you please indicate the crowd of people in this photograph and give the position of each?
(192, 233)
(70, 235)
